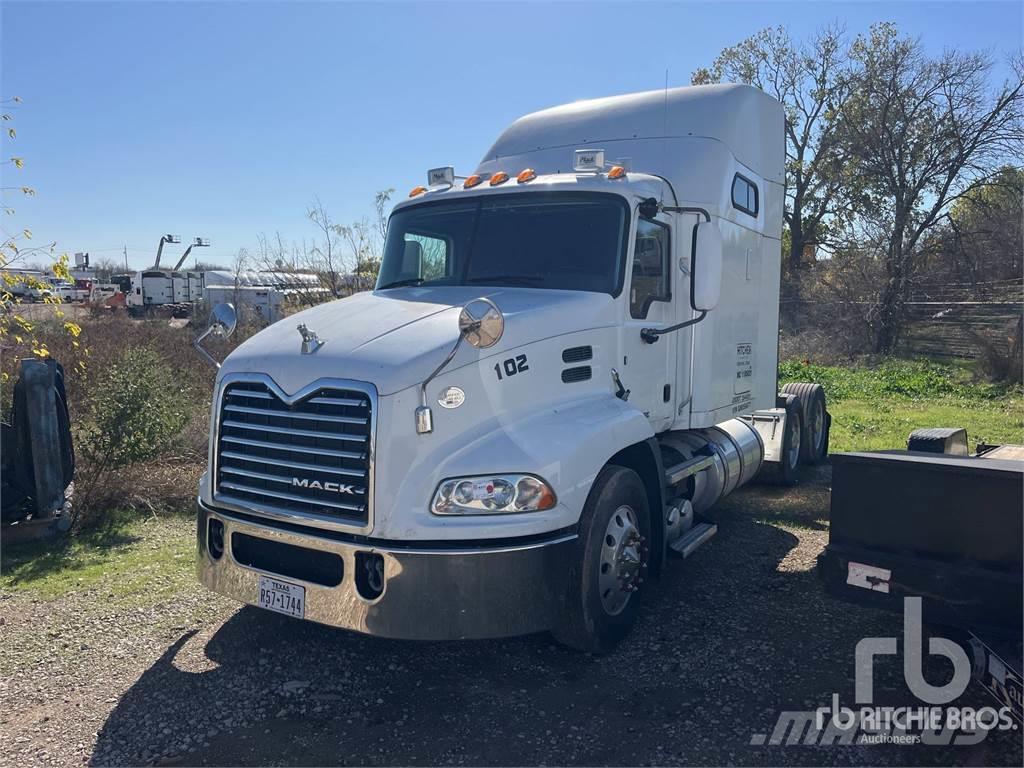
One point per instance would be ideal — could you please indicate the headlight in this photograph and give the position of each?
(492, 495)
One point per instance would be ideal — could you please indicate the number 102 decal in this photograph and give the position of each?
(511, 366)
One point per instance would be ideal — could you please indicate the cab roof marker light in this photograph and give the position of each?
(525, 175)
(617, 172)
(591, 160)
(417, 191)
(472, 181)
(499, 178)
(441, 176)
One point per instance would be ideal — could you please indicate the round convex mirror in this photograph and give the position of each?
(481, 323)
(223, 319)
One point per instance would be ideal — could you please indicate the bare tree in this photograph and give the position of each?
(326, 256)
(920, 133)
(239, 265)
(812, 80)
(105, 267)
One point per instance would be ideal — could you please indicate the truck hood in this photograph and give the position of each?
(395, 339)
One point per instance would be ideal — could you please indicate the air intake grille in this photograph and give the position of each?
(311, 457)
(582, 373)
(577, 354)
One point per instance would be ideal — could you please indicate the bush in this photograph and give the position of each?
(135, 415)
(137, 411)
(1002, 362)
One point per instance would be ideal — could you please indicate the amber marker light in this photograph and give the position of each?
(617, 172)
(472, 181)
(417, 191)
(499, 178)
(527, 174)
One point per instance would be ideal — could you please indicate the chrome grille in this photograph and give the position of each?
(311, 457)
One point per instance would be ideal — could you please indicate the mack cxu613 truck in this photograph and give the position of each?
(569, 357)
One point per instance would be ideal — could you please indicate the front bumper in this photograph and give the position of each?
(428, 593)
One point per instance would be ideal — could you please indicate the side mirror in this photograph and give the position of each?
(706, 267)
(223, 319)
(222, 323)
(481, 323)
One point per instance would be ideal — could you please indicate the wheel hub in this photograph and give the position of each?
(623, 553)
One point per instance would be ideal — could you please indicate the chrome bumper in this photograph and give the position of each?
(428, 594)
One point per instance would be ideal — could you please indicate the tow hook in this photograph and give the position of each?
(369, 574)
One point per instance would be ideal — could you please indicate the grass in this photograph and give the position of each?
(133, 560)
(878, 407)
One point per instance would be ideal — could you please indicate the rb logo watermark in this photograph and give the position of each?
(867, 724)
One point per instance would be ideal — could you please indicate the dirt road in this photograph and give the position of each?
(727, 640)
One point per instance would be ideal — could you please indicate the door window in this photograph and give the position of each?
(650, 268)
(425, 256)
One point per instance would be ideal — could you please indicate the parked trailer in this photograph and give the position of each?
(569, 358)
(935, 523)
(165, 292)
(264, 304)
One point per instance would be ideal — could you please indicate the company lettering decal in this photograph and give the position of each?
(326, 485)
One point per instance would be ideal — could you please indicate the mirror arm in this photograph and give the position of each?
(650, 335)
(424, 416)
(197, 344)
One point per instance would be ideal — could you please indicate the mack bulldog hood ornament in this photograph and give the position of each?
(310, 341)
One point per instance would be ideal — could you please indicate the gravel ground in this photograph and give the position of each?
(726, 641)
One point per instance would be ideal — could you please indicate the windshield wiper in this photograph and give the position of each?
(521, 279)
(400, 283)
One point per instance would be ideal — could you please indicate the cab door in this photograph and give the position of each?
(648, 370)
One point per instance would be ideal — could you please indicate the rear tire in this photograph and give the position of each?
(814, 419)
(609, 564)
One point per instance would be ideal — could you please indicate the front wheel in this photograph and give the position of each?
(609, 564)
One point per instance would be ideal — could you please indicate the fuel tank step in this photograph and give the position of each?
(688, 543)
(676, 474)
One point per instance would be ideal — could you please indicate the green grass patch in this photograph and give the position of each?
(878, 407)
(133, 561)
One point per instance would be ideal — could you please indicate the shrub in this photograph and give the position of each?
(137, 410)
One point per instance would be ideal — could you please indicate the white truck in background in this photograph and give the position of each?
(569, 358)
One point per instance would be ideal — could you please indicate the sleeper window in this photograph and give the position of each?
(650, 268)
(744, 195)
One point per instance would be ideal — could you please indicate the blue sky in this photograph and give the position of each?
(224, 120)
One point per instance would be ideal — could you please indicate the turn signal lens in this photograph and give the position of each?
(500, 494)
(499, 178)
(417, 191)
(617, 172)
(472, 181)
(526, 175)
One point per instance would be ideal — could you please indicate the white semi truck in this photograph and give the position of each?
(569, 357)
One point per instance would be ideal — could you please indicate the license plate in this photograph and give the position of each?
(280, 596)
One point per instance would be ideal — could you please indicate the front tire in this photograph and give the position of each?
(609, 565)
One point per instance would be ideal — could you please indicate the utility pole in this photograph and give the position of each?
(126, 257)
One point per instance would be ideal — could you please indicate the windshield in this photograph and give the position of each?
(568, 241)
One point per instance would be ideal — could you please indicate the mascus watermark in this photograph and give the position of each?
(866, 724)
